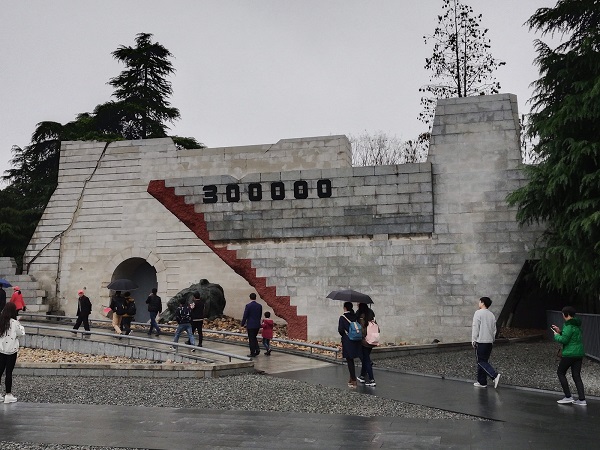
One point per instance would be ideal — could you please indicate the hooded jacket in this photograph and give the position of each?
(571, 339)
(9, 343)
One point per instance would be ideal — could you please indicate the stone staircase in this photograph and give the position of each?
(33, 295)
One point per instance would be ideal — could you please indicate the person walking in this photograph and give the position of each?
(17, 299)
(117, 305)
(129, 315)
(183, 316)
(251, 320)
(2, 298)
(198, 314)
(572, 356)
(350, 349)
(10, 331)
(365, 315)
(154, 303)
(483, 333)
(84, 309)
(267, 332)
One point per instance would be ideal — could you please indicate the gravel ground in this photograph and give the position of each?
(530, 365)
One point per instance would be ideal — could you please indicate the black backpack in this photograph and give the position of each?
(183, 314)
(131, 309)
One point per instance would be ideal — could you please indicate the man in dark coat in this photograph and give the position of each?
(251, 320)
(84, 309)
(2, 298)
(198, 314)
(154, 303)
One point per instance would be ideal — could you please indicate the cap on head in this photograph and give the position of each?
(79, 292)
(16, 288)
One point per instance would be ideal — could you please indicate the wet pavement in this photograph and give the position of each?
(517, 418)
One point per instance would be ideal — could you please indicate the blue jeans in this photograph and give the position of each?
(153, 324)
(267, 344)
(484, 368)
(188, 329)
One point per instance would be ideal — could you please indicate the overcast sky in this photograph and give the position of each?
(248, 72)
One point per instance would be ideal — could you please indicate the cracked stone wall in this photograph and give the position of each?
(100, 214)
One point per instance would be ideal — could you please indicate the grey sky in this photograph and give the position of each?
(248, 72)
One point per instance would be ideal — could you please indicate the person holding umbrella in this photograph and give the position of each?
(350, 349)
(117, 304)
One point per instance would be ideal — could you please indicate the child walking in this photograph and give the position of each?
(267, 332)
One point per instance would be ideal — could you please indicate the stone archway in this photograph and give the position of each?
(144, 275)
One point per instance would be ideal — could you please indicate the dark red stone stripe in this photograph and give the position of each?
(297, 325)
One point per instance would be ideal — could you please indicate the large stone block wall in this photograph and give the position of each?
(424, 240)
(334, 205)
(101, 215)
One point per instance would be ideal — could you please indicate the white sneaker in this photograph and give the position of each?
(9, 398)
(580, 402)
(496, 381)
(476, 384)
(360, 379)
(1, 398)
(565, 401)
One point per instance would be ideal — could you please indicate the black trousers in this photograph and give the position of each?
(7, 362)
(253, 341)
(126, 324)
(197, 325)
(82, 319)
(575, 365)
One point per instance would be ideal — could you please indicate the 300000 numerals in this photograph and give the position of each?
(255, 191)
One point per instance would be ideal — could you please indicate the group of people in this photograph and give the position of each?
(357, 348)
(16, 298)
(254, 322)
(572, 353)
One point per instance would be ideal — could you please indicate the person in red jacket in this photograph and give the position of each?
(267, 332)
(17, 299)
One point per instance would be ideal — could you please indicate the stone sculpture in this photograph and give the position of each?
(211, 292)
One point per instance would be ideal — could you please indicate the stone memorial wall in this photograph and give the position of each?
(293, 221)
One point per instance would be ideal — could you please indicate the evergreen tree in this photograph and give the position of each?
(461, 62)
(563, 189)
(143, 90)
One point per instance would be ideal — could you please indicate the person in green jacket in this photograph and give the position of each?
(572, 355)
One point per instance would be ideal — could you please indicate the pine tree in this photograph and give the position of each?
(563, 189)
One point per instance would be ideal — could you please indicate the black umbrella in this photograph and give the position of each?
(122, 284)
(4, 283)
(348, 295)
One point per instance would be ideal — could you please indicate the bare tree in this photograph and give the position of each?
(380, 149)
(461, 63)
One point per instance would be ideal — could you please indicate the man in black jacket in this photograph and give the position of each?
(2, 298)
(84, 309)
(198, 313)
(154, 303)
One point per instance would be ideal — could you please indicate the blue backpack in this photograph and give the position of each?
(354, 330)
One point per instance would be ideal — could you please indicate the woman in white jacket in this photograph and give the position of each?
(10, 330)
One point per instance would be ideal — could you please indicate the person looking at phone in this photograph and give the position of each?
(572, 356)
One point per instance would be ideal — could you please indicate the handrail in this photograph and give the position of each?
(143, 339)
(309, 345)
